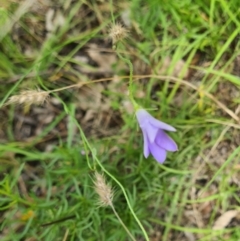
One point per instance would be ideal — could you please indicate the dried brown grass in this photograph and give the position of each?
(29, 97)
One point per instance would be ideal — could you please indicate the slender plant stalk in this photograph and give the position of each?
(124, 226)
(130, 87)
(161, 77)
(111, 10)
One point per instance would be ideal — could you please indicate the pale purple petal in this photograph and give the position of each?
(166, 142)
(156, 141)
(144, 118)
(158, 153)
(151, 132)
(146, 150)
(161, 125)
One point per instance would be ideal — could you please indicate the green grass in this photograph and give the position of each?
(48, 194)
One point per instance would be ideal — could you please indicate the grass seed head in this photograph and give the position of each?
(29, 97)
(103, 190)
(117, 32)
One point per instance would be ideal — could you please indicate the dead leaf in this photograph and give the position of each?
(104, 60)
(189, 236)
(224, 219)
(236, 68)
(54, 19)
(90, 97)
(126, 17)
(179, 65)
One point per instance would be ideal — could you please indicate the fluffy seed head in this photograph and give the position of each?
(103, 190)
(29, 97)
(117, 32)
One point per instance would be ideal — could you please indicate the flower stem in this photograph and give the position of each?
(111, 10)
(124, 226)
(130, 87)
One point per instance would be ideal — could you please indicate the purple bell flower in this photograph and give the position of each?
(156, 141)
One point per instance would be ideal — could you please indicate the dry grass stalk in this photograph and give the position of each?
(117, 32)
(29, 97)
(103, 190)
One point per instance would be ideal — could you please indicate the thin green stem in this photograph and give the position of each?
(130, 87)
(111, 10)
(124, 226)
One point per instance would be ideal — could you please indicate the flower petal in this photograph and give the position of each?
(160, 124)
(144, 118)
(158, 153)
(165, 142)
(146, 150)
(151, 132)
